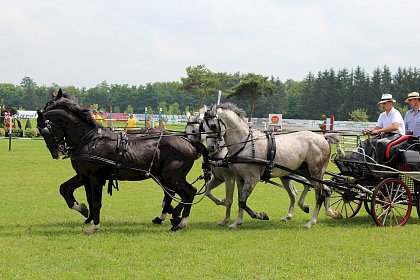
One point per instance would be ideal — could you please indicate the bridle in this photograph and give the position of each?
(216, 128)
(201, 131)
(61, 143)
(48, 131)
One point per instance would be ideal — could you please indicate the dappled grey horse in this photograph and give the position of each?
(220, 174)
(305, 151)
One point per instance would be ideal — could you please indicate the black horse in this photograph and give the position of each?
(98, 154)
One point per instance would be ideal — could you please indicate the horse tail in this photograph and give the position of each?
(201, 149)
(334, 138)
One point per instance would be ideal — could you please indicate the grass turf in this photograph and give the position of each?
(40, 238)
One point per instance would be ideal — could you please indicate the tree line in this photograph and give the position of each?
(347, 94)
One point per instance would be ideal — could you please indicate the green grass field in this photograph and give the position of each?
(40, 238)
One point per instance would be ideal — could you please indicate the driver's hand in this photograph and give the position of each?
(366, 131)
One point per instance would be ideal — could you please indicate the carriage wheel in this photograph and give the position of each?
(418, 205)
(417, 196)
(391, 203)
(346, 203)
(367, 206)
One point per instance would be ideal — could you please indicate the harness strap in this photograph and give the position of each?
(265, 162)
(122, 145)
(242, 148)
(271, 154)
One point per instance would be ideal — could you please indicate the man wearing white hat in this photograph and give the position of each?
(390, 121)
(412, 118)
(390, 126)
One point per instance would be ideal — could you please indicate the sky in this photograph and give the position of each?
(84, 42)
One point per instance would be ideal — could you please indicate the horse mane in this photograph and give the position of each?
(69, 102)
(230, 106)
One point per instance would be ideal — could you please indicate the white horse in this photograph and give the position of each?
(220, 174)
(306, 152)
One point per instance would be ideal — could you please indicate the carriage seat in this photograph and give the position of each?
(393, 145)
(411, 158)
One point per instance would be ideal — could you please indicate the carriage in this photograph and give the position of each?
(387, 190)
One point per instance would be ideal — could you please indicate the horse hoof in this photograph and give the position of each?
(264, 216)
(223, 223)
(286, 219)
(84, 210)
(233, 226)
(175, 221)
(338, 215)
(175, 228)
(88, 220)
(308, 225)
(91, 230)
(157, 221)
(305, 209)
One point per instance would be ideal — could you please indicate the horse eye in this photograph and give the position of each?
(213, 126)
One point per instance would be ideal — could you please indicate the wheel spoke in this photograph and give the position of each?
(399, 213)
(337, 201)
(345, 208)
(384, 211)
(351, 207)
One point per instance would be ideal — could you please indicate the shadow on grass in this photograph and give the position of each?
(147, 227)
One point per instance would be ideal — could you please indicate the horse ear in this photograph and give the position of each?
(40, 118)
(214, 109)
(60, 94)
(188, 115)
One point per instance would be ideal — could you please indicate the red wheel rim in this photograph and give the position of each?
(391, 203)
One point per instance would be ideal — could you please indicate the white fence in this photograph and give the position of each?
(297, 125)
(260, 123)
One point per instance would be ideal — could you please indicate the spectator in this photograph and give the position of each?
(130, 124)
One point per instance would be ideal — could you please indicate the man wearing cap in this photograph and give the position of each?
(390, 125)
(412, 118)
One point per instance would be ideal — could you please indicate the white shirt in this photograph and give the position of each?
(394, 116)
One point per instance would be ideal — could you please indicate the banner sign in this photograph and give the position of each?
(275, 121)
(22, 114)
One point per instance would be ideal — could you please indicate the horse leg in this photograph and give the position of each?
(176, 212)
(213, 183)
(240, 219)
(167, 208)
(88, 191)
(67, 191)
(292, 192)
(187, 193)
(189, 198)
(228, 201)
(319, 198)
(327, 204)
(96, 186)
(244, 191)
(301, 202)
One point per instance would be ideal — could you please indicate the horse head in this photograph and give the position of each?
(214, 129)
(193, 129)
(64, 123)
(53, 135)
